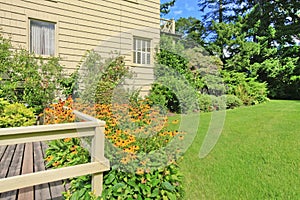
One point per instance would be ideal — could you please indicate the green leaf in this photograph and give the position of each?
(171, 196)
(155, 192)
(110, 178)
(167, 185)
(154, 182)
(75, 196)
(132, 183)
(118, 186)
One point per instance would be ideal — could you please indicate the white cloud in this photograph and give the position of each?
(177, 12)
(188, 7)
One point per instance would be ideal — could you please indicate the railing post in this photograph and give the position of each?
(173, 26)
(98, 156)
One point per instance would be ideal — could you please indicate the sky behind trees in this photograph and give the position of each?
(183, 8)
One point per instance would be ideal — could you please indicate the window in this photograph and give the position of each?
(42, 37)
(141, 51)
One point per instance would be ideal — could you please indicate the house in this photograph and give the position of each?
(68, 28)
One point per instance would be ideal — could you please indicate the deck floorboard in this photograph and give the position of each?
(13, 161)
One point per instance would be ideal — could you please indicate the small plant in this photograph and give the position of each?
(231, 101)
(15, 115)
(100, 77)
(162, 183)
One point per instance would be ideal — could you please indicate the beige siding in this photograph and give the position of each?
(81, 25)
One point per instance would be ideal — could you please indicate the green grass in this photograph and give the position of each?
(256, 157)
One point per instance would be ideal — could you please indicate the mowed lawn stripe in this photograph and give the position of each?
(256, 157)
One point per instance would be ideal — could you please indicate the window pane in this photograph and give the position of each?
(141, 51)
(143, 58)
(148, 46)
(139, 45)
(138, 60)
(42, 37)
(134, 44)
(143, 46)
(148, 58)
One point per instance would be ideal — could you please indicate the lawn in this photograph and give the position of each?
(256, 157)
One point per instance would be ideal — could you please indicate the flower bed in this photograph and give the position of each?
(141, 149)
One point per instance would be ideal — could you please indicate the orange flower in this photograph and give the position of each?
(125, 160)
(49, 158)
(67, 139)
(139, 171)
(73, 148)
(55, 164)
(175, 121)
(74, 152)
(143, 162)
(143, 180)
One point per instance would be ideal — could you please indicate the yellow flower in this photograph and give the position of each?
(143, 162)
(73, 148)
(74, 152)
(67, 139)
(175, 121)
(139, 171)
(49, 158)
(143, 180)
(55, 164)
(125, 160)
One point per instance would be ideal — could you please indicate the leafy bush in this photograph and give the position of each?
(208, 103)
(100, 77)
(181, 73)
(231, 101)
(26, 78)
(249, 90)
(205, 103)
(161, 96)
(15, 115)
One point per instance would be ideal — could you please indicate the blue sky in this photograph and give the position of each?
(183, 8)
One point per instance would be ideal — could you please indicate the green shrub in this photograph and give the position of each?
(15, 115)
(175, 84)
(26, 78)
(69, 152)
(249, 90)
(160, 95)
(205, 103)
(231, 101)
(100, 77)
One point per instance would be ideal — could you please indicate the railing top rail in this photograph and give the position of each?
(89, 123)
(86, 117)
(166, 20)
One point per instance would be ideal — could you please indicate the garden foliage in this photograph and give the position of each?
(143, 163)
(15, 115)
(99, 77)
(27, 79)
(248, 89)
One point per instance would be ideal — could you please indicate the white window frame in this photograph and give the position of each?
(141, 51)
(45, 45)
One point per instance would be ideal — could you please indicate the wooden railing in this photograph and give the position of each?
(167, 26)
(91, 127)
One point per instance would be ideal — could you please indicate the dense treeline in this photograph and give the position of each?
(257, 38)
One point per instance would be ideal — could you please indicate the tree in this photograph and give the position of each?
(165, 7)
(258, 38)
(192, 30)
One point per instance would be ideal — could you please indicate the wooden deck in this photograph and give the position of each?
(27, 158)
